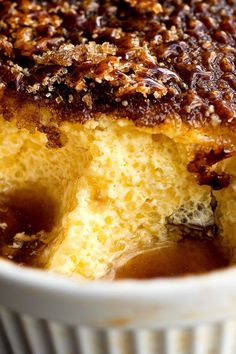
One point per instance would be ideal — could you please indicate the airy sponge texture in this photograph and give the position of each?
(115, 186)
(132, 182)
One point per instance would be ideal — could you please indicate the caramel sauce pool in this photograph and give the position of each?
(30, 214)
(189, 256)
(33, 213)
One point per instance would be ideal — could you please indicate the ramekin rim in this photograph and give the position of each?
(52, 282)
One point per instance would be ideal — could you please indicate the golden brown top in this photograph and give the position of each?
(140, 59)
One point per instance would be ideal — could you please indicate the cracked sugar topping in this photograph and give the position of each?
(145, 60)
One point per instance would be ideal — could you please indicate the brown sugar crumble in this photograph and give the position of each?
(144, 60)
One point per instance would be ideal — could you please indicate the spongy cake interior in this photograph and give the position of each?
(114, 186)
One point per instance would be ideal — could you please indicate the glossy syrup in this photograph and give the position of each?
(26, 217)
(189, 256)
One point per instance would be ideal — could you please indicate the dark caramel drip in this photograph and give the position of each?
(25, 219)
(180, 259)
(202, 166)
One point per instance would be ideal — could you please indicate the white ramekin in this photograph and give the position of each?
(43, 313)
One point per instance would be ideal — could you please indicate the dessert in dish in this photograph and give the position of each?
(117, 129)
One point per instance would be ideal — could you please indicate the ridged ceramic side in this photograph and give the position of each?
(42, 313)
(21, 334)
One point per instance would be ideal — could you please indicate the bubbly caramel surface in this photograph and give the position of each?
(148, 61)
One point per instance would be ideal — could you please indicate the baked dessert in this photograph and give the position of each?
(117, 129)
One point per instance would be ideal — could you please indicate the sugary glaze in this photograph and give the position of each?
(145, 60)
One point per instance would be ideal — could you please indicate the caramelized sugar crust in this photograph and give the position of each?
(168, 66)
(145, 60)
